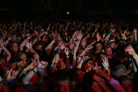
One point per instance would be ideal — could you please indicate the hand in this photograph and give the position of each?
(135, 30)
(29, 37)
(79, 35)
(98, 70)
(11, 75)
(105, 63)
(42, 64)
(31, 66)
(42, 33)
(112, 30)
(104, 35)
(66, 50)
(36, 33)
(29, 45)
(130, 51)
(98, 36)
(89, 47)
(85, 58)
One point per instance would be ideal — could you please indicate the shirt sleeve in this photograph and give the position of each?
(116, 85)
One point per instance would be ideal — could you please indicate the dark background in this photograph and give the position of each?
(77, 8)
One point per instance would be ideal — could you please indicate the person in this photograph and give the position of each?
(62, 83)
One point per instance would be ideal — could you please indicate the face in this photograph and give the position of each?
(108, 51)
(23, 57)
(23, 36)
(22, 63)
(112, 45)
(61, 63)
(99, 46)
(14, 47)
(71, 46)
(18, 39)
(40, 47)
(64, 87)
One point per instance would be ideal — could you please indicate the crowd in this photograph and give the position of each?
(68, 56)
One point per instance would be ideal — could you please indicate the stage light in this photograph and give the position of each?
(67, 12)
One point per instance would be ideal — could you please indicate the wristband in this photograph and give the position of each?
(135, 56)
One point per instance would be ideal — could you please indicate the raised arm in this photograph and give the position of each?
(26, 79)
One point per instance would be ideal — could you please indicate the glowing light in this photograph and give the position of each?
(67, 12)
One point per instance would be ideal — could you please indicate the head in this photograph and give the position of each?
(61, 63)
(88, 64)
(19, 39)
(62, 83)
(112, 45)
(71, 46)
(39, 47)
(22, 55)
(108, 51)
(90, 83)
(14, 47)
(99, 46)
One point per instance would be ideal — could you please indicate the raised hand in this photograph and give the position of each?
(29, 37)
(29, 45)
(135, 30)
(112, 30)
(66, 50)
(79, 35)
(11, 75)
(130, 50)
(98, 36)
(85, 58)
(89, 47)
(105, 63)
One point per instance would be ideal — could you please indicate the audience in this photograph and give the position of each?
(66, 55)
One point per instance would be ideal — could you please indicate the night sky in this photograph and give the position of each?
(83, 6)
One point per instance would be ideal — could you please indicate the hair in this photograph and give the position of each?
(20, 53)
(61, 79)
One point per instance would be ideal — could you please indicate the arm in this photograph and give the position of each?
(132, 52)
(114, 83)
(67, 59)
(108, 36)
(24, 42)
(135, 34)
(7, 52)
(102, 85)
(26, 79)
(79, 37)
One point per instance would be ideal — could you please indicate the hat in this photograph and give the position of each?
(121, 69)
(110, 41)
